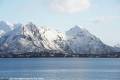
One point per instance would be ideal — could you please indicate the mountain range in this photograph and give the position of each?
(20, 38)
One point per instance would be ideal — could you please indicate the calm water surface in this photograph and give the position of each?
(61, 68)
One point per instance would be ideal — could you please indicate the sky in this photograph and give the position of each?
(100, 17)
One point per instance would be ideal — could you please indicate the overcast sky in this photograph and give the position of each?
(100, 17)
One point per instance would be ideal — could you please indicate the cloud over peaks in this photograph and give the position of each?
(70, 6)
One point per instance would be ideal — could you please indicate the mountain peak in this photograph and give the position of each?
(6, 23)
(77, 30)
(76, 26)
(30, 23)
(6, 26)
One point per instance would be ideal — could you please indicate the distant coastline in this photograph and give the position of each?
(57, 55)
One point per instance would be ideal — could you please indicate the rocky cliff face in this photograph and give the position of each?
(81, 41)
(5, 27)
(31, 38)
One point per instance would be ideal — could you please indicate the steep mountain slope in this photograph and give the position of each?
(117, 45)
(116, 48)
(81, 41)
(31, 38)
(5, 27)
(21, 39)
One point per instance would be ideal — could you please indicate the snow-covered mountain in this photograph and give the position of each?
(81, 41)
(29, 38)
(5, 27)
(116, 48)
(32, 38)
(117, 45)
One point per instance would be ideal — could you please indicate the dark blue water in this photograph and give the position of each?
(61, 68)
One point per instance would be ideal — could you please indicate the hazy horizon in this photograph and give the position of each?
(100, 17)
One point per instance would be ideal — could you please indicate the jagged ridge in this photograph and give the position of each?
(32, 38)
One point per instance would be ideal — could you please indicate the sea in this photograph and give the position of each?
(59, 69)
